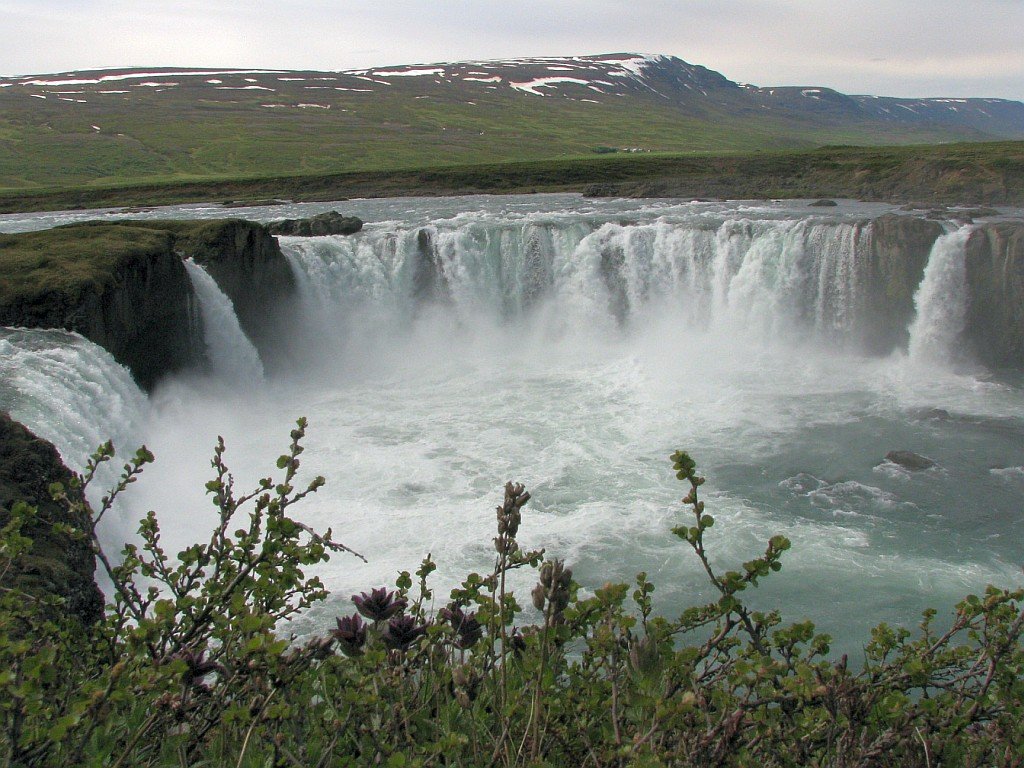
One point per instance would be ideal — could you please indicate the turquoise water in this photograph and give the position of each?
(420, 411)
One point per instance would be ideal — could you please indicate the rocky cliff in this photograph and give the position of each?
(246, 262)
(995, 277)
(122, 285)
(900, 246)
(58, 563)
(119, 285)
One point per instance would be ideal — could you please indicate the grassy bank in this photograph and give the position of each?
(990, 173)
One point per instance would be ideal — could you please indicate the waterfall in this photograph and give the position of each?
(763, 277)
(233, 356)
(68, 391)
(941, 301)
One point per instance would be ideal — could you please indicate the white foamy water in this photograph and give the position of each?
(68, 390)
(573, 345)
(941, 301)
(231, 354)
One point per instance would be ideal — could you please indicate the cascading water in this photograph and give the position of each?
(768, 277)
(69, 390)
(941, 302)
(573, 345)
(233, 357)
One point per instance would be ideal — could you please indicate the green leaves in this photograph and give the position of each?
(192, 663)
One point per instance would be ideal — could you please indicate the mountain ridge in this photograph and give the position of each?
(130, 125)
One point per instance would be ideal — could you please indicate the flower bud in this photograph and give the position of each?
(538, 594)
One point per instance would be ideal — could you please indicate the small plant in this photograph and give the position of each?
(189, 668)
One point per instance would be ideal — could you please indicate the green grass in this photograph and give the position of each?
(70, 260)
(991, 172)
(193, 133)
(74, 259)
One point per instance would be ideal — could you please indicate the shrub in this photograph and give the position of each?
(187, 667)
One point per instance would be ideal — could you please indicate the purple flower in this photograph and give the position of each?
(351, 635)
(379, 604)
(467, 629)
(401, 632)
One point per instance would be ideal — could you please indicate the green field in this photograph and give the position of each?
(980, 173)
(138, 137)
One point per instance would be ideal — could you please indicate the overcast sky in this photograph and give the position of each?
(883, 47)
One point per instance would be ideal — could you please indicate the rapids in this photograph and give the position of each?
(572, 345)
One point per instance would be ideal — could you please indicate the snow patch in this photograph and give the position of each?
(494, 79)
(244, 88)
(545, 82)
(141, 75)
(152, 85)
(313, 106)
(407, 72)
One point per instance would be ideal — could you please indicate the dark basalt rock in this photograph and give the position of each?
(122, 286)
(330, 223)
(915, 462)
(247, 264)
(995, 280)
(823, 203)
(900, 247)
(58, 563)
(428, 280)
(976, 213)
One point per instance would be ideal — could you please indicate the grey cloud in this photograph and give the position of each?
(908, 48)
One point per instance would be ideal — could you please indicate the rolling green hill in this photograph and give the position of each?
(113, 128)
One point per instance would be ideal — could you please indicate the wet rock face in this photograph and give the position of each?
(139, 304)
(330, 223)
(136, 304)
(900, 246)
(58, 564)
(429, 283)
(995, 279)
(247, 264)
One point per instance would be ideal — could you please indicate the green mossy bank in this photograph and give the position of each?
(123, 285)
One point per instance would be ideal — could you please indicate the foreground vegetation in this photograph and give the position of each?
(990, 173)
(187, 669)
